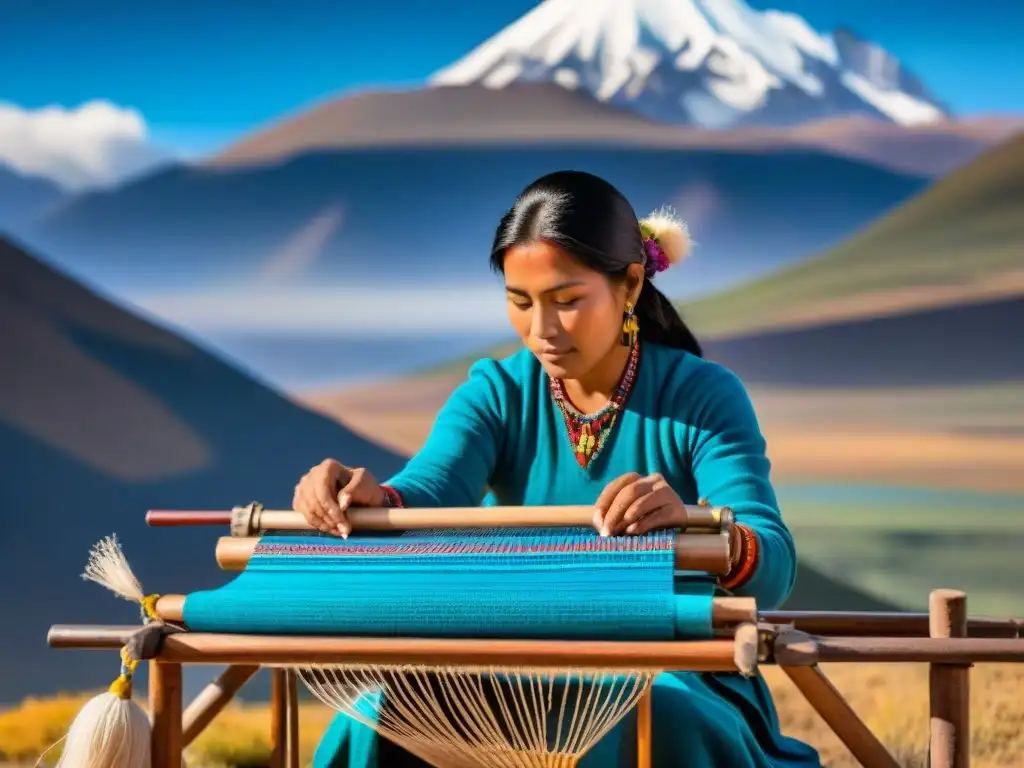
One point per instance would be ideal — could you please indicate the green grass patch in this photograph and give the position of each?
(965, 228)
(901, 549)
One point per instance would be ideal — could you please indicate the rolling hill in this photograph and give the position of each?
(102, 416)
(961, 240)
(950, 346)
(426, 216)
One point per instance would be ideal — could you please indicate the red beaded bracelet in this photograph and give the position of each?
(392, 498)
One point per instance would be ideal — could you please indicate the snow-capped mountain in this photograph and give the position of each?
(712, 63)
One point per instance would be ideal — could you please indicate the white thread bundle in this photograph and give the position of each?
(109, 568)
(111, 730)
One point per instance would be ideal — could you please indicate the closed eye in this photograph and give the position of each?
(568, 303)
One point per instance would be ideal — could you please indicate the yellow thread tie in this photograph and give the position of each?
(122, 686)
(149, 608)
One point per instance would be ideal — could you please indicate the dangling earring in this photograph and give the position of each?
(630, 326)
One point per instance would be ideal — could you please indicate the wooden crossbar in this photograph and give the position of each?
(953, 643)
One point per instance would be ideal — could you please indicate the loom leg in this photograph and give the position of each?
(165, 711)
(643, 729)
(840, 717)
(212, 700)
(284, 736)
(949, 685)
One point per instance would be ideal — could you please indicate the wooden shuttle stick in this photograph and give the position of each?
(709, 554)
(252, 519)
(725, 612)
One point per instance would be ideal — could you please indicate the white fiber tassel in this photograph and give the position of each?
(109, 568)
(111, 730)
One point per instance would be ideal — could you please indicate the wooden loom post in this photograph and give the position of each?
(644, 727)
(284, 733)
(293, 719)
(949, 685)
(212, 700)
(167, 743)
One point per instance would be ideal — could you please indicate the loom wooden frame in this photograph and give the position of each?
(945, 638)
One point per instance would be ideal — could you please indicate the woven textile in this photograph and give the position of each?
(518, 583)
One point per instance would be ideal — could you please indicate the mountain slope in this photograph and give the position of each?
(22, 198)
(102, 416)
(713, 63)
(322, 215)
(910, 349)
(958, 241)
(545, 113)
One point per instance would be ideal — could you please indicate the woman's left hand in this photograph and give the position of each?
(633, 504)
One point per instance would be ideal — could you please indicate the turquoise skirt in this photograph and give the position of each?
(701, 720)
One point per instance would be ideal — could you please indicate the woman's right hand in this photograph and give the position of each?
(325, 493)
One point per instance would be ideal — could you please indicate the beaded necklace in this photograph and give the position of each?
(588, 433)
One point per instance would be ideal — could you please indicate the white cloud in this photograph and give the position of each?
(391, 311)
(93, 145)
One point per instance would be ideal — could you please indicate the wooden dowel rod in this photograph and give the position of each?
(171, 608)
(202, 648)
(949, 685)
(165, 711)
(910, 649)
(252, 520)
(840, 717)
(86, 637)
(708, 554)
(725, 611)
(886, 624)
(106, 637)
(812, 650)
(172, 518)
(212, 700)
(730, 611)
(644, 730)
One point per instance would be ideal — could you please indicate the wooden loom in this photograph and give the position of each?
(796, 641)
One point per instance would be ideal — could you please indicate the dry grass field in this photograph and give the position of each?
(892, 699)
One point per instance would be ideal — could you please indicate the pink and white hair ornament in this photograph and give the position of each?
(666, 240)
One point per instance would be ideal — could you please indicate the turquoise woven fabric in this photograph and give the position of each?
(518, 583)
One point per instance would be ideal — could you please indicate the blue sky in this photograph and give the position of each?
(202, 72)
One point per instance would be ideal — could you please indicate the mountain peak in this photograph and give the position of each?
(711, 63)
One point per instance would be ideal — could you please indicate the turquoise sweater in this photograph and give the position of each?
(687, 418)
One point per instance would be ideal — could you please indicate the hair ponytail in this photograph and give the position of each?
(661, 323)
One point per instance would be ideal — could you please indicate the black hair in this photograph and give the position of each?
(592, 221)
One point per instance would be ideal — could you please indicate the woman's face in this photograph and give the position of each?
(567, 315)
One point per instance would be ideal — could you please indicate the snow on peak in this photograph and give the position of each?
(712, 63)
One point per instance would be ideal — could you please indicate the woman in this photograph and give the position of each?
(610, 404)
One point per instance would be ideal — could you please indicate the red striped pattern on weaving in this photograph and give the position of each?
(624, 544)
